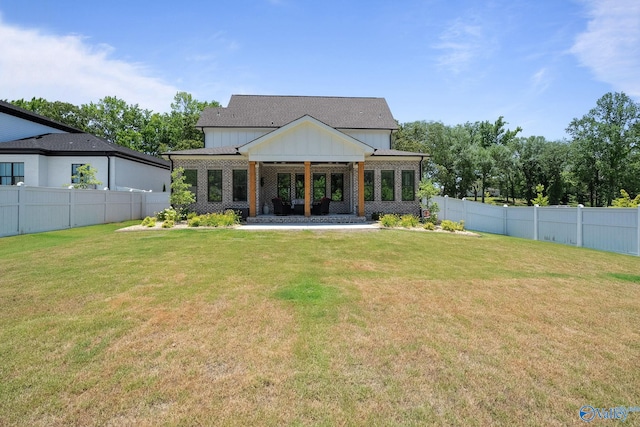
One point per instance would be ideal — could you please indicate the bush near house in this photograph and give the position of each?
(227, 218)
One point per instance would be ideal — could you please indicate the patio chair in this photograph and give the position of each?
(279, 207)
(324, 206)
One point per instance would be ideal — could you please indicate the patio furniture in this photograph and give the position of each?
(280, 207)
(321, 207)
(324, 206)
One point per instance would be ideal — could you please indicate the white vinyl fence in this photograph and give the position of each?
(25, 209)
(605, 229)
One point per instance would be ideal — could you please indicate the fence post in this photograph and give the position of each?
(638, 230)
(579, 230)
(72, 207)
(535, 222)
(504, 220)
(22, 206)
(464, 211)
(105, 212)
(143, 207)
(444, 207)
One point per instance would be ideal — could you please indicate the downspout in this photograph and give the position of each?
(421, 178)
(170, 171)
(108, 171)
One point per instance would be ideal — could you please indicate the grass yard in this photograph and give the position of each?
(389, 327)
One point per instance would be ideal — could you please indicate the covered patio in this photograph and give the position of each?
(306, 189)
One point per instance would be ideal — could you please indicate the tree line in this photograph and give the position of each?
(129, 125)
(601, 158)
(599, 161)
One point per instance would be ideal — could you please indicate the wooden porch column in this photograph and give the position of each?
(307, 188)
(360, 188)
(252, 188)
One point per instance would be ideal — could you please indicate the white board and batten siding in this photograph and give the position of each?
(307, 141)
(231, 137)
(237, 137)
(378, 139)
(606, 229)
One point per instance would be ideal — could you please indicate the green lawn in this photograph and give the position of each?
(388, 327)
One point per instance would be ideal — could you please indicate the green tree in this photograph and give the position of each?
(62, 112)
(85, 177)
(181, 197)
(605, 143)
(426, 191)
(181, 123)
(128, 125)
(540, 199)
(493, 150)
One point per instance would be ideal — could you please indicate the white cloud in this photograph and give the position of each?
(610, 46)
(461, 44)
(67, 68)
(540, 80)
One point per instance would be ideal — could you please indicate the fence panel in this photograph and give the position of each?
(606, 229)
(520, 222)
(118, 206)
(613, 230)
(9, 209)
(451, 209)
(483, 217)
(558, 224)
(45, 209)
(155, 202)
(35, 209)
(89, 207)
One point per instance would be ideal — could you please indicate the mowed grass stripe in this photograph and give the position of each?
(301, 327)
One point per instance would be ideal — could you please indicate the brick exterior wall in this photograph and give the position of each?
(202, 204)
(266, 183)
(396, 206)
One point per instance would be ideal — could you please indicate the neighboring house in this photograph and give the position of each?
(42, 152)
(301, 149)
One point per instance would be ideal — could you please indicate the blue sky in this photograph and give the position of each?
(539, 64)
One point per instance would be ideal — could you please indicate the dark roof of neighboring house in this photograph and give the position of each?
(265, 111)
(76, 144)
(8, 108)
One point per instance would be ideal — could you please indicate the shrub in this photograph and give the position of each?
(168, 223)
(389, 220)
(449, 225)
(626, 201)
(149, 222)
(227, 218)
(375, 216)
(429, 226)
(409, 221)
(167, 214)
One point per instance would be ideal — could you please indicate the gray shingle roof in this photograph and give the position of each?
(8, 108)
(76, 144)
(264, 111)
